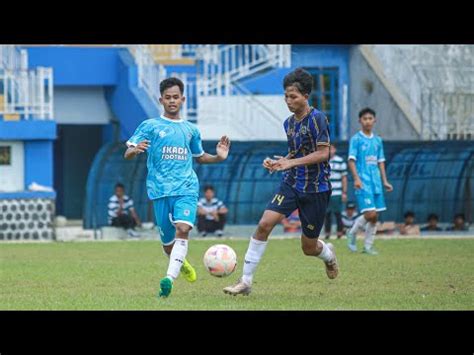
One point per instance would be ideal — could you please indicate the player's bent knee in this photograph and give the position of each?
(265, 226)
(182, 229)
(371, 216)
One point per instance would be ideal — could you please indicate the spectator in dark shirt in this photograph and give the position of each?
(459, 223)
(432, 225)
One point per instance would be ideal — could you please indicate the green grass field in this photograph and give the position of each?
(407, 275)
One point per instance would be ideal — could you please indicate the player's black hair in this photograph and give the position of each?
(409, 214)
(169, 83)
(119, 184)
(433, 216)
(300, 79)
(209, 187)
(366, 110)
(460, 215)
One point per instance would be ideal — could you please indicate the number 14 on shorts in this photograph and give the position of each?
(279, 198)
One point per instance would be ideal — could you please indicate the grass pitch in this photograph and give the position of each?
(410, 274)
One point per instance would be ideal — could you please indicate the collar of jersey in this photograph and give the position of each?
(371, 135)
(170, 120)
(309, 114)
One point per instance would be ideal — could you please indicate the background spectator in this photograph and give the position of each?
(348, 216)
(211, 213)
(338, 180)
(432, 225)
(459, 223)
(409, 227)
(292, 223)
(121, 212)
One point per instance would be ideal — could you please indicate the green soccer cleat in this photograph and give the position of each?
(351, 242)
(370, 251)
(166, 285)
(188, 271)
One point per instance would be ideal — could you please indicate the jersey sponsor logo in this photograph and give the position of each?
(174, 153)
(371, 159)
(163, 131)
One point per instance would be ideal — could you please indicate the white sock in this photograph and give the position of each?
(252, 258)
(326, 254)
(359, 223)
(370, 231)
(177, 256)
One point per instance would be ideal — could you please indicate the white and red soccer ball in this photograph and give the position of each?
(220, 260)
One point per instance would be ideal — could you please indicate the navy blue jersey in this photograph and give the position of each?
(304, 137)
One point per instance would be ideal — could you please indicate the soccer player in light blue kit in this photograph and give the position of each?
(367, 165)
(172, 184)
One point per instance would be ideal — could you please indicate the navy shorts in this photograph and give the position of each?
(311, 207)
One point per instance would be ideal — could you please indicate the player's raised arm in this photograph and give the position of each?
(134, 150)
(222, 152)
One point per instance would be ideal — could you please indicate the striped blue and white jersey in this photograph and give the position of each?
(210, 206)
(338, 170)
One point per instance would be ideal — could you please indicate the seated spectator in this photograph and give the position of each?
(432, 225)
(121, 212)
(459, 224)
(292, 223)
(348, 216)
(409, 227)
(211, 213)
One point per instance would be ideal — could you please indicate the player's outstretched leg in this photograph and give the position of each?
(257, 245)
(360, 222)
(325, 252)
(177, 257)
(187, 270)
(370, 231)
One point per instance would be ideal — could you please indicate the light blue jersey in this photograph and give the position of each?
(173, 144)
(367, 153)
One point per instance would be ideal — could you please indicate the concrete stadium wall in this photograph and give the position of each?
(367, 90)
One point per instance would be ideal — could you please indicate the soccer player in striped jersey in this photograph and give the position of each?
(367, 165)
(305, 185)
(339, 192)
(171, 143)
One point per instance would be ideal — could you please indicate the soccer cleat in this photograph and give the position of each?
(166, 285)
(240, 288)
(370, 251)
(351, 242)
(188, 271)
(332, 268)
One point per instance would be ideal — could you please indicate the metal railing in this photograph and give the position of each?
(235, 62)
(13, 59)
(26, 93)
(150, 74)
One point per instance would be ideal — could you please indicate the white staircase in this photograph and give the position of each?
(24, 93)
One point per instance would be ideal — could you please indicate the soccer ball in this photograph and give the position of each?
(220, 260)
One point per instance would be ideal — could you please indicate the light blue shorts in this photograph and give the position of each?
(367, 201)
(171, 210)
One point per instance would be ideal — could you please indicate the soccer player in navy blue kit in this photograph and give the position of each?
(305, 185)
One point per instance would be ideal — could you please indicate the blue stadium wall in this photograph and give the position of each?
(434, 177)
